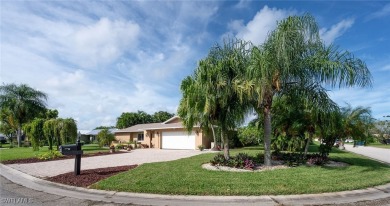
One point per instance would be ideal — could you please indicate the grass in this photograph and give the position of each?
(27, 152)
(379, 145)
(186, 177)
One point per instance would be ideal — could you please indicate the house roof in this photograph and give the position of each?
(153, 126)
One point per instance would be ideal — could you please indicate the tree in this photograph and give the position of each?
(293, 59)
(214, 77)
(34, 132)
(128, 119)
(49, 128)
(161, 116)
(105, 137)
(249, 135)
(381, 130)
(8, 124)
(51, 114)
(68, 131)
(356, 122)
(24, 102)
(105, 127)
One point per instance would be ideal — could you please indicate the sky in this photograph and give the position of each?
(97, 59)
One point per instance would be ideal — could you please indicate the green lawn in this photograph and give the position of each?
(379, 145)
(186, 177)
(27, 152)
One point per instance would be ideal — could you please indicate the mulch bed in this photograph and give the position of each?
(34, 159)
(89, 177)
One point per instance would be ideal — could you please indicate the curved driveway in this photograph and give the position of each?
(371, 152)
(139, 156)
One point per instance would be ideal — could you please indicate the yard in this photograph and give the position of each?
(27, 152)
(186, 177)
(379, 145)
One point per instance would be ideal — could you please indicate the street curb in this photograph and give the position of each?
(369, 194)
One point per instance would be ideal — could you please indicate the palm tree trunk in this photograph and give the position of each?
(226, 146)
(308, 143)
(215, 139)
(267, 135)
(19, 135)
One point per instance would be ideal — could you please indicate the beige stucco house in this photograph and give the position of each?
(170, 134)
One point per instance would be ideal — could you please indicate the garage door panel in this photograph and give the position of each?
(178, 140)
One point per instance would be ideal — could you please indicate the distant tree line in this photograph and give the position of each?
(128, 119)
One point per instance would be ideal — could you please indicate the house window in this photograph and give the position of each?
(140, 137)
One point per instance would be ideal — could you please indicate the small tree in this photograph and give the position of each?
(49, 131)
(34, 132)
(105, 137)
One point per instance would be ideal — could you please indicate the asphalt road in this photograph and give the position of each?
(371, 152)
(13, 194)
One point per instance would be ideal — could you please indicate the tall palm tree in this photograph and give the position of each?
(209, 96)
(294, 59)
(24, 102)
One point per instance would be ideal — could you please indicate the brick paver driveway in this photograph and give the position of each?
(139, 156)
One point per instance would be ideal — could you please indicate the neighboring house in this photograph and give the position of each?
(170, 134)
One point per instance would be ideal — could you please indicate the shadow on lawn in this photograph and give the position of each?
(369, 165)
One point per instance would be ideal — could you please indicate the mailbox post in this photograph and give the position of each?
(73, 149)
(77, 161)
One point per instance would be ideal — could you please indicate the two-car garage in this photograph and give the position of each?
(178, 140)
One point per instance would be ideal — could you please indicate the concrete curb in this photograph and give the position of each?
(369, 194)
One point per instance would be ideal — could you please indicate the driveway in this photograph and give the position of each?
(139, 156)
(371, 152)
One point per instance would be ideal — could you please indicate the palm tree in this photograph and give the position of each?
(294, 59)
(24, 102)
(208, 95)
(356, 122)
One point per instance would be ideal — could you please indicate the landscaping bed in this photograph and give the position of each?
(89, 177)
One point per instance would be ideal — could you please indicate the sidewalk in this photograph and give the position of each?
(369, 194)
(380, 154)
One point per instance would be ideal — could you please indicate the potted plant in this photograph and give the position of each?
(201, 147)
(112, 149)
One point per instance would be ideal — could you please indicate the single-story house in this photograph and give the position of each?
(170, 134)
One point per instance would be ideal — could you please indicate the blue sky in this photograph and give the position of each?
(97, 59)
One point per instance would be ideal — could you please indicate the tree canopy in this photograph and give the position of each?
(128, 119)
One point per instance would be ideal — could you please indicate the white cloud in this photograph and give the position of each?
(329, 35)
(386, 67)
(102, 42)
(385, 11)
(259, 27)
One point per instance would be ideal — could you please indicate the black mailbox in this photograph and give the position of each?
(73, 149)
(70, 149)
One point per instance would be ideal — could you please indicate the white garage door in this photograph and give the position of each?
(178, 140)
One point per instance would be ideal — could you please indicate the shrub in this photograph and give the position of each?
(316, 159)
(218, 159)
(248, 164)
(201, 147)
(49, 155)
(241, 161)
